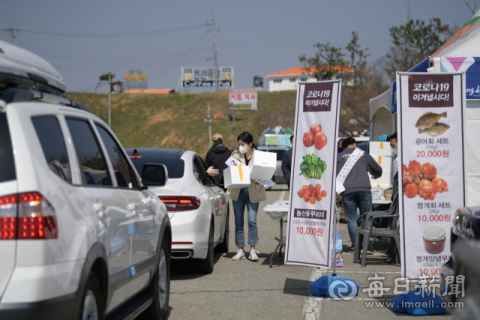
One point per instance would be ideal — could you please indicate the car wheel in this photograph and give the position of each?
(160, 287)
(92, 303)
(205, 265)
(223, 246)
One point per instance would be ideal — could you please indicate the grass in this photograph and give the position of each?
(177, 120)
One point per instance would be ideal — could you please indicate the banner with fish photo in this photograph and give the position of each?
(432, 167)
(312, 183)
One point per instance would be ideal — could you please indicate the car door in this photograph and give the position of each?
(214, 198)
(107, 201)
(141, 206)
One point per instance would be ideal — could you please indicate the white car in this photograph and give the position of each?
(198, 209)
(80, 236)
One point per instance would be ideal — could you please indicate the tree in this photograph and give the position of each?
(357, 58)
(413, 42)
(104, 77)
(322, 65)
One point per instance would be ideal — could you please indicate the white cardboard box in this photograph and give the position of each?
(263, 165)
(384, 161)
(384, 181)
(380, 148)
(236, 177)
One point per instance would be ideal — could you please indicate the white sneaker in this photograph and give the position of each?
(239, 256)
(253, 255)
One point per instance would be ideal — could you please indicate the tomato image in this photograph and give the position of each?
(312, 200)
(308, 139)
(324, 193)
(310, 189)
(315, 128)
(301, 193)
(320, 141)
(306, 197)
(305, 188)
(318, 186)
(319, 197)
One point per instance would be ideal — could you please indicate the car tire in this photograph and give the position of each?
(92, 303)
(223, 246)
(206, 265)
(160, 287)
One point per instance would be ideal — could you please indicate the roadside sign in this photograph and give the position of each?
(432, 169)
(312, 184)
(243, 99)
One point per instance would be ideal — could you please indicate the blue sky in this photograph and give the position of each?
(255, 37)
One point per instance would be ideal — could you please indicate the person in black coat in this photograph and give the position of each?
(218, 155)
(287, 163)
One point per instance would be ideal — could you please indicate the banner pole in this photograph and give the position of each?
(334, 246)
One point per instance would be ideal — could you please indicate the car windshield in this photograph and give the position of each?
(7, 164)
(175, 166)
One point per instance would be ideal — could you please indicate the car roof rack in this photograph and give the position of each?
(25, 95)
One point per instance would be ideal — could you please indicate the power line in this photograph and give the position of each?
(11, 31)
(114, 34)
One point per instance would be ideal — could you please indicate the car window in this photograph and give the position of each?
(51, 139)
(175, 167)
(196, 172)
(7, 163)
(90, 156)
(202, 169)
(123, 171)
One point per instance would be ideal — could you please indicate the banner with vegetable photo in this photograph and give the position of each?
(432, 168)
(312, 183)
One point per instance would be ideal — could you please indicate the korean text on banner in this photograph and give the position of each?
(431, 134)
(312, 191)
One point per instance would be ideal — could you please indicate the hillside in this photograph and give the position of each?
(177, 120)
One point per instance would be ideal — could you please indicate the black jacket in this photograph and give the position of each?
(287, 164)
(217, 156)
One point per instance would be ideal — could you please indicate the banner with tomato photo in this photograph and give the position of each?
(313, 173)
(432, 167)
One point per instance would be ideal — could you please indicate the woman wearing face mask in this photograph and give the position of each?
(248, 197)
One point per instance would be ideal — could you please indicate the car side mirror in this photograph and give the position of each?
(154, 174)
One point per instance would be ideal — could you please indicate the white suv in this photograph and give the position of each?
(80, 236)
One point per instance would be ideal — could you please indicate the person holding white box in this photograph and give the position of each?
(248, 197)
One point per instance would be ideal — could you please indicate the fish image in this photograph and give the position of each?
(435, 130)
(429, 119)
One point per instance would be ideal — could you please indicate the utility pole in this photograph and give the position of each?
(215, 53)
(110, 99)
(209, 120)
(11, 31)
(408, 16)
(233, 126)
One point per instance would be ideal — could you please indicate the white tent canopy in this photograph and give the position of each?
(381, 122)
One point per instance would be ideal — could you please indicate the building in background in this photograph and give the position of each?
(289, 79)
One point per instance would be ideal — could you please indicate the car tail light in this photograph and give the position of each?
(178, 203)
(27, 216)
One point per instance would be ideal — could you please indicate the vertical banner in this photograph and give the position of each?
(312, 184)
(431, 141)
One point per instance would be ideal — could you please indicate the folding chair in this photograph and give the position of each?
(367, 230)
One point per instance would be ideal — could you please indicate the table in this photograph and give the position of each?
(277, 211)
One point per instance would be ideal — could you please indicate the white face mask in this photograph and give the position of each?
(243, 149)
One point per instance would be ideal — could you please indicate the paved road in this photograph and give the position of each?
(252, 290)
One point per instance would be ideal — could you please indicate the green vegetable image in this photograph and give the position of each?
(312, 167)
